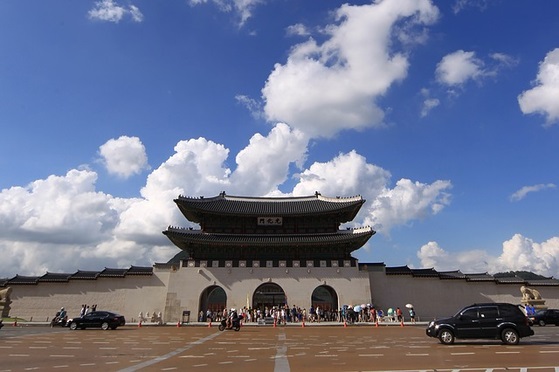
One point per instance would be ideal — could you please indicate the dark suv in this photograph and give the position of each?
(490, 321)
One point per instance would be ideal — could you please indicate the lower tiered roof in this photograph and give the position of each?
(200, 245)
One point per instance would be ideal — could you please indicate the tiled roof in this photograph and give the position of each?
(510, 280)
(480, 277)
(424, 273)
(118, 273)
(55, 277)
(456, 274)
(549, 281)
(405, 270)
(20, 279)
(140, 270)
(398, 270)
(183, 237)
(86, 275)
(78, 275)
(345, 208)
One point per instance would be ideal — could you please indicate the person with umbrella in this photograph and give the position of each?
(412, 312)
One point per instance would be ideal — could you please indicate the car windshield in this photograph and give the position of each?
(540, 312)
(461, 311)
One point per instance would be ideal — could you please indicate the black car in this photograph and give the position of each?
(503, 321)
(1, 325)
(543, 317)
(97, 319)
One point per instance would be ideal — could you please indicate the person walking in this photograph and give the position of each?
(412, 315)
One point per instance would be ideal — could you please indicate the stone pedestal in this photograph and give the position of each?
(538, 304)
(5, 309)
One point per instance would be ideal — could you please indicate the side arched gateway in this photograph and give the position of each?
(268, 295)
(213, 299)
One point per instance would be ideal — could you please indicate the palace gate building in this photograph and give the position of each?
(265, 252)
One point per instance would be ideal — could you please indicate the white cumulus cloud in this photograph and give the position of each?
(243, 9)
(325, 88)
(124, 156)
(111, 11)
(518, 254)
(521, 253)
(543, 98)
(521, 194)
(458, 67)
(431, 255)
(65, 216)
(407, 201)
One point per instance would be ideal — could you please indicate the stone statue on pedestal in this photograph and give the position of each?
(5, 301)
(532, 297)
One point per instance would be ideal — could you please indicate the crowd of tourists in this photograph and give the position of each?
(285, 314)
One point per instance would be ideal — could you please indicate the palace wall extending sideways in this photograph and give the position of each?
(433, 297)
(171, 290)
(127, 296)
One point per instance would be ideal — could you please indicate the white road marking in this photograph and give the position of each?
(191, 356)
(169, 355)
(412, 354)
(281, 362)
(371, 355)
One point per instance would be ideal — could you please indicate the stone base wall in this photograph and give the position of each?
(188, 283)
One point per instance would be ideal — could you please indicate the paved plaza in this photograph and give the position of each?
(267, 348)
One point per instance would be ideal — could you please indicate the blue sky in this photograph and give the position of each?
(443, 115)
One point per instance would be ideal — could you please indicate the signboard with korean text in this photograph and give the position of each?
(270, 221)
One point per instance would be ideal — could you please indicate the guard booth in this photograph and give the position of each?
(185, 316)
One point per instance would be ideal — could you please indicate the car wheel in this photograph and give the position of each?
(541, 323)
(446, 337)
(105, 326)
(510, 336)
(73, 326)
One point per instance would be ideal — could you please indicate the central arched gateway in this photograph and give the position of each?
(325, 297)
(268, 295)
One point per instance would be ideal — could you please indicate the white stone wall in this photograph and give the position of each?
(435, 298)
(127, 296)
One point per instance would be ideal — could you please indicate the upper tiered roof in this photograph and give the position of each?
(194, 209)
